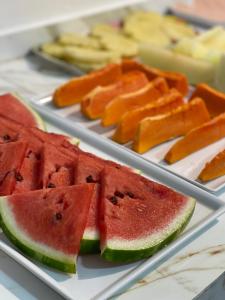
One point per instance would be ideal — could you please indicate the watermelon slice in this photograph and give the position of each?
(137, 216)
(47, 225)
(11, 158)
(17, 110)
(58, 166)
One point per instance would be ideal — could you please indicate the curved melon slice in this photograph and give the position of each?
(198, 138)
(138, 217)
(215, 168)
(174, 79)
(121, 104)
(47, 225)
(94, 103)
(74, 90)
(17, 110)
(128, 124)
(158, 129)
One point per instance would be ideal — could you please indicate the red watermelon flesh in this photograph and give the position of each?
(58, 166)
(15, 110)
(48, 224)
(134, 209)
(11, 158)
(8, 130)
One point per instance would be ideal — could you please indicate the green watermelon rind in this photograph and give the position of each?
(90, 242)
(52, 258)
(39, 121)
(126, 255)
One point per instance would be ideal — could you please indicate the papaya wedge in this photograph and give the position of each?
(213, 169)
(121, 104)
(196, 139)
(214, 100)
(94, 103)
(128, 124)
(174, 79)
(155, 130)
(74, 90)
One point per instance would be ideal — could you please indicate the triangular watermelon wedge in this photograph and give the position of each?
(47, 225)
(11, 158)
(137, 216)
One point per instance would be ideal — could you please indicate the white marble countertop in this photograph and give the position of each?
(183, 276)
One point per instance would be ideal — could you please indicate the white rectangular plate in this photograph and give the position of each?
(104, 279)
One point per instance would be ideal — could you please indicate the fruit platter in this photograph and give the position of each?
(151, 112)
(68, 207)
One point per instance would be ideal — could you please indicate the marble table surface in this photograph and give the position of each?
(182, 276)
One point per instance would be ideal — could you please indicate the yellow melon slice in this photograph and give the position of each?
(197, 138)
(74, 90)
(215, 168)
(120, 105)
(155, 130)
(128, 124)
(93, 104)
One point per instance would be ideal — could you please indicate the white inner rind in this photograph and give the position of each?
(91, 234)
(152, 239)
(14, 228)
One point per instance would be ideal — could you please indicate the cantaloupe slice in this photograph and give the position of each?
(120, 105)
(94, 103)
(215, 168)
(214, 100)
(174, 79)
(74, 90)
(198, 138)
(128, 124)
(155, 130)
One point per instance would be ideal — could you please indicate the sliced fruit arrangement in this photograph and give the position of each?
(58, 201)
(107, 43)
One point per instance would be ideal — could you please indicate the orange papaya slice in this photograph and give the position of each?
(74, 90)
(128, 124)
(121, 104)
(174, 79)
(213, 169)
(156, 130)
(94, 103)
(214, 100)
(198, 138)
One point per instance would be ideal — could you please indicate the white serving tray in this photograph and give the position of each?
(96, 278)
(189, 168)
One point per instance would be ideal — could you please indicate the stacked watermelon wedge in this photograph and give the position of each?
(58, 201)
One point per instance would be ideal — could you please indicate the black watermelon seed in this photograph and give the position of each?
(130, 194)
(114, 200)
(6, 137)
(119, 194)
(90, 179)
(58, 216)
(51, 185)
(18, 176)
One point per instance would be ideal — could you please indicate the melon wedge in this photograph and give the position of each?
(174, 79)
(93, 104)
(47, 225)
(198, 138)
(128, 124)
(12, 106)
(138, 216)
(11, 158)
(155, 130)
(73, 91)
(214, 100)
(213, 169)
(120, 105)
